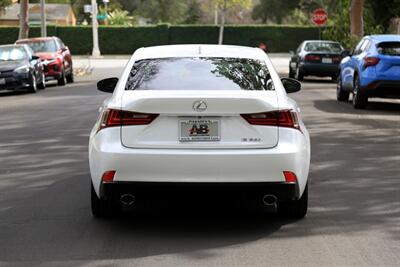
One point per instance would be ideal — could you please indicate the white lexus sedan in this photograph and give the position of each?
(199, 115)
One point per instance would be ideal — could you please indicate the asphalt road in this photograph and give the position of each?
(45, 219)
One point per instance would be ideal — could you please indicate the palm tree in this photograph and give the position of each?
(23, 19)
(356, 18)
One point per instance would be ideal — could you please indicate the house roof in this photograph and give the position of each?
(53, 12)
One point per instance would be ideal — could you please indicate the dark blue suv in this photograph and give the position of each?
(372, 70)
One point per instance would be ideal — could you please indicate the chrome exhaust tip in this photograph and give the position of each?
(127, 199)
(269, 200)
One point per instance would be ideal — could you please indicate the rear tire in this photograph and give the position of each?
(360, 100)
(341, 95)
(70, 77)
(295, 209)
(299, 74)
(61, 80)
(42, 84)
(291, 73)
(100, 208)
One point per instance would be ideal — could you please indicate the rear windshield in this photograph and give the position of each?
(42, 46)
(199, 74)
(389, 48)
(323, 47)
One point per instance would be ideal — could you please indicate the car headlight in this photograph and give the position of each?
(49, 61)
(23, 69)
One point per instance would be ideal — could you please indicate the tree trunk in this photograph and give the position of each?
(221, 28)
(23, 19)
(356, 18)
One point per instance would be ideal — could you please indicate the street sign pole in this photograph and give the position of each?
(96, 50)
(43, 26)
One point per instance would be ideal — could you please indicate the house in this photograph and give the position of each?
(56, 14)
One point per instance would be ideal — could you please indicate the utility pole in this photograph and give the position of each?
(96, 50)
(43, 26)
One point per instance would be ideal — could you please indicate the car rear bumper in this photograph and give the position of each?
(244, 191)
(319, 69)
(199, 165)
(390, 89)
(52, 71)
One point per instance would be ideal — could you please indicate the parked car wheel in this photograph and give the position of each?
(360, 100)
(295, 209)
(70, 77)
(33, 86)
(341, 95)
(42, 84)
(299, 74)
(61, 80)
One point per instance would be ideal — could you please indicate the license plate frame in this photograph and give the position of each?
(327, 60)
(204, 129)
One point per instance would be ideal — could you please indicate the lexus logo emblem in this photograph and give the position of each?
(199, 106)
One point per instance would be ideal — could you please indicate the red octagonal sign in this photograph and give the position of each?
(319, 16)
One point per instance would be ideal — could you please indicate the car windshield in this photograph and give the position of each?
(203, 73)
(12, 53)
(323, 47)
(389, 48)
(42, 46)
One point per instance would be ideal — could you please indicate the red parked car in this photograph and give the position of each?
(56, 57)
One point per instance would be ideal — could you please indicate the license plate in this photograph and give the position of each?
(326, 60)
(199, 129)
(2, 81)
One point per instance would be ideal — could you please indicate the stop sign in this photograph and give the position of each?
(319, 16)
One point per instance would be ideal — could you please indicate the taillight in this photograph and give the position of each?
(370, 61)
(336, 59)
(312, 58)
(114, 117)
(108, 176)
(281, 118)
(290, 177)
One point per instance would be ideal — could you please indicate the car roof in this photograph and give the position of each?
(385, 37)
(319, 41)
(199, 50)
(36, 39)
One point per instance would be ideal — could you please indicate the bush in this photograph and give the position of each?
(126, 39)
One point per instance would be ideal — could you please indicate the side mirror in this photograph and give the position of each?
(35, 57)
(346, 53)
(291, 85)
(107, 85)
(65, 48)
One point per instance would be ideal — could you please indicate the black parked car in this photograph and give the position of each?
(20, 69)
(318, 58)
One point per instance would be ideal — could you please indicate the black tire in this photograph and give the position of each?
(334, 78)
(70, 77)
(100, 208)
(61, 80)
(360, 100)
(42, 84)
(295, 209)
(299, 74)
(341, 95)
(33, 85)
(291, 73)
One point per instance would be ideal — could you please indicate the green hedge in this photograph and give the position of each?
(125, 40)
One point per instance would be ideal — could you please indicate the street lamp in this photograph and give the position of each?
(96, 50)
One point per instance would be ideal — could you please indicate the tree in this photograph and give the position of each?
(23, 19)
(4, 4)
(193, 13)
(356, 18)
(223, 6)
(275, 10)
(171, 11)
